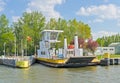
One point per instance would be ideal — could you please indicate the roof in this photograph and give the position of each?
(114, 44)
(51, 31)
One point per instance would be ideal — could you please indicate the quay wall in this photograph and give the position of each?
(9, 62)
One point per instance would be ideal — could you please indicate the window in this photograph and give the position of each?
(111, 49)
(104, 49)
(53, 36)
(42, 52)
(46, 44)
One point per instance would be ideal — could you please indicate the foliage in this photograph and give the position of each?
(6, 36)
(89, 46)
(92, 45)
(99, 57)
(81, 42)
(70, 28)
(105, 41)
(31, 24)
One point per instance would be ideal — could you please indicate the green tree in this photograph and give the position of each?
(107, 40)
(30, 24)
(70, 28)
(6, 36)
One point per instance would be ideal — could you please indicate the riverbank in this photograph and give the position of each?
(99, 57)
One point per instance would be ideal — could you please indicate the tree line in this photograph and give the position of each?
(107, 40)
(25, 33)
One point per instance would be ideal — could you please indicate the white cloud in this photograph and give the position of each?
(2, 4)
(102, 12)
(15, 18)
(47, 7)
(95, 21)
(98, 20)
(102, 33)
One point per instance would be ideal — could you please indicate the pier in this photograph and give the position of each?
(111, 61)
(17, 62)
(106, 60)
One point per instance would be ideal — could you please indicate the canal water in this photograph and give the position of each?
(42, 74)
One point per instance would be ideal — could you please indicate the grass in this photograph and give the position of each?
(99, 57)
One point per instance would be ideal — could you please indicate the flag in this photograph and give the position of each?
(29, 38)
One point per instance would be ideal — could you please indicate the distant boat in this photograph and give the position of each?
(62, 57)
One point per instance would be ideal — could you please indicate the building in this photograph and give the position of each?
(116, 46)
(103, 50)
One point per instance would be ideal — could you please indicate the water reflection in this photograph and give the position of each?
(42, 74)
(82, 69)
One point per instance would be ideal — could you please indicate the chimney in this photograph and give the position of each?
(76, 41)
(65, 47)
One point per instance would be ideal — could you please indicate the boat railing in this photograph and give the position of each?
(59, 53)
(70, 53)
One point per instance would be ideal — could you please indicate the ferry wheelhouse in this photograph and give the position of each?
(61, 57)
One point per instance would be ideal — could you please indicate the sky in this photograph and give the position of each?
(103, 16)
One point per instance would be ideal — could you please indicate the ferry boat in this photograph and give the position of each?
(62, 57)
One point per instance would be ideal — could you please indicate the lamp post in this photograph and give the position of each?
(22, 51)
(15, 45)
(4, 48)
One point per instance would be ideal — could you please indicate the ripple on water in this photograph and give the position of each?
(42, 74)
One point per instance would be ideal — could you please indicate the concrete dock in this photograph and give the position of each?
(110, 61)
(21, 62)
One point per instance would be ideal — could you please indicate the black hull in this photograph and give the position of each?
(62, 65)
(71, 63)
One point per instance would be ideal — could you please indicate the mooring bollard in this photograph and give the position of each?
(111, 61)
(105, 62)
(117, 61)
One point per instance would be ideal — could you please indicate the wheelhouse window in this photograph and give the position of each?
(43, 53)
(53, 36)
